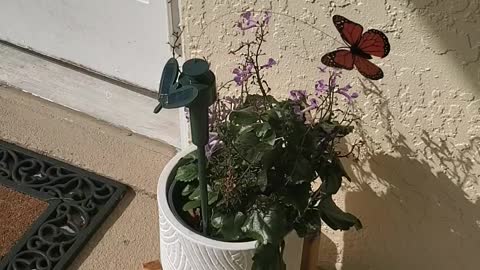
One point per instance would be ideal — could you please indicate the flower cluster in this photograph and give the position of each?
(248, 20)
(242, 74)
(308, 106)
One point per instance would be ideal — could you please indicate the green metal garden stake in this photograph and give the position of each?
(196, 90)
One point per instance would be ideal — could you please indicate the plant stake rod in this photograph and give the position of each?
(196, 90)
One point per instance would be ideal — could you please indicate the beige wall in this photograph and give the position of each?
(417, 184)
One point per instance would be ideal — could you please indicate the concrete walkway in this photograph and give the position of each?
(129, 237)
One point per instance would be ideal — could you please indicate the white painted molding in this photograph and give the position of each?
(125, 40)
(88, 94)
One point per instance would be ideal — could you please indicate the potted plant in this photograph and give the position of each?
(272, 165)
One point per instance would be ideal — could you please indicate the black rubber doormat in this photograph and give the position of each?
(78, 203)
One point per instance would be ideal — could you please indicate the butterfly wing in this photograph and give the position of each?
(339, 59)
(367, 68)
(351, 32)
(374, 42)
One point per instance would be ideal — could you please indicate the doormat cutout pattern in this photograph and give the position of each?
(79, 201)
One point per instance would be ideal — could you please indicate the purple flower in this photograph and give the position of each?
(336, 73)
(242, 75)
(214, 144)
(320, 87)
(350, 97)
(297, 95)
(345, 88)
(270, 63)
(313, 104)
(247, 21)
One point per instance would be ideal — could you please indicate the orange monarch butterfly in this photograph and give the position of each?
(361, 47)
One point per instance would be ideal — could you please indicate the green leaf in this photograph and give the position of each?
(266, 225)
(262, 129)
(268, 257)
(309, 223)
(327, 127)
(302, 170)
(195, 195)
(244, 116)
(335, 217)
(262, 180)
(259, 100)
(212, 197)
(191, 205)
(229, 225)
(250, 147)
(187, 173)
(332, 174)
(340, 167)
(188, 189)
(298, 196)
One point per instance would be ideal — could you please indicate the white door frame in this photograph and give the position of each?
(93, 94)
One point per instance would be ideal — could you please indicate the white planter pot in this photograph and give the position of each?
(183, 249)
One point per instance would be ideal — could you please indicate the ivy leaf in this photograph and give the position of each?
(335, 217)
(266, 225)
(268, 257)
(187, 173)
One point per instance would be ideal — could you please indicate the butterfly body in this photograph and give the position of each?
(361, 47)
(356, 51)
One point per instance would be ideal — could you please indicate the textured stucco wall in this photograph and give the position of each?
(417, 184)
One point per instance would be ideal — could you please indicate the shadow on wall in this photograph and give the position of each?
(328, 255)
(457, 25)
(423, 221)
(414, 217)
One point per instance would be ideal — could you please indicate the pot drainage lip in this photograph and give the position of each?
(78, 203)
